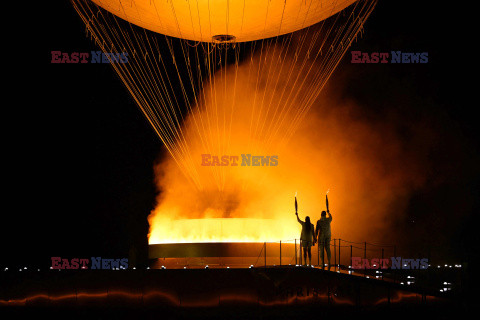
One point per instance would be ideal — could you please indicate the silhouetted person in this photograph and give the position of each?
(324, 235)
(307, 238)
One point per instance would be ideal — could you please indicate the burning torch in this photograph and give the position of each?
(326, 199)
(296, 205)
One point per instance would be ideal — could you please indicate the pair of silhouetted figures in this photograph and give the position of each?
(311, 235)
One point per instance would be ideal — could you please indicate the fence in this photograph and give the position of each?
(273, 254)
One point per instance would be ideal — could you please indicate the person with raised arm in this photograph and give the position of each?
(307, 238)
(323, 234)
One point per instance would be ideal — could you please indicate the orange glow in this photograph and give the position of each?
(249, 100)
(172, 299)
(87, 295)
(221, 230)
(365, 165)
(247, 20)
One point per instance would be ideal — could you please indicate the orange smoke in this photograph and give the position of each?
(364, 165)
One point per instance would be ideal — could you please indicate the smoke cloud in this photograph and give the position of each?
(370, 168)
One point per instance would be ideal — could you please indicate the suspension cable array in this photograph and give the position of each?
(176, 81)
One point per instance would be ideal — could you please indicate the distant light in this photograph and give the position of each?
(408, 282)
(134, 268)
(228, 267)
(6, 269)
(438, 267)
(368, 277)
(449, 266)
(184, 267)
(206, 267)
(19, 269)
(148, 268)
(444, 283)
(25, 268)
(402, 283)
(446, 266)
(38, 270)
(441, 290)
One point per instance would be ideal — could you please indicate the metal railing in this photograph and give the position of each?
(341, 249)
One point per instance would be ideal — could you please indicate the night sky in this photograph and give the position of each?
(79, 153)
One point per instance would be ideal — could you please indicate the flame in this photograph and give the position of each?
(222, 230)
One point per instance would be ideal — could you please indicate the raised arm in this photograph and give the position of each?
(298, 219)
(329, 215)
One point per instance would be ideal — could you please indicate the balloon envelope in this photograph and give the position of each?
(246, 20)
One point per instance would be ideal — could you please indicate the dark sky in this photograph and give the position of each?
(79, 154)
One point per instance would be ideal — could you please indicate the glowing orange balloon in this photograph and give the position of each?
(203, 20)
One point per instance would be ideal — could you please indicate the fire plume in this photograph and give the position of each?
(366, 165)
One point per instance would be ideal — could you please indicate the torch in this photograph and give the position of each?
(296, 205)
(326, 199)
